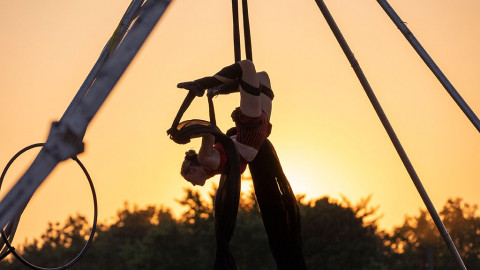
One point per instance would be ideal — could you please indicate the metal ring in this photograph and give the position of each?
(95, 212)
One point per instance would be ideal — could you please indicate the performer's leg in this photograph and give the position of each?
(250, 102)
(266, 94)
(244, 71)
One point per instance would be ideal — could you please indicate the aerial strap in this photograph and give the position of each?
(276, 199)
(277, 202)
(391, 133)
(181, 133)
(174, 131)
(183, 108)
(236, 31)
(228, 192)
(246, 30)
(278, 207)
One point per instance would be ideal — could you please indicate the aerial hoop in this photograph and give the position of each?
(11, 249)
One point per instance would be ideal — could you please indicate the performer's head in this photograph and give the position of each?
(191, 169)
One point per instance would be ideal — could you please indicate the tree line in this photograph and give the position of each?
(336, 235)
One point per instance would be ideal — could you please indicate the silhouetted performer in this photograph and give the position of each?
(274, 195)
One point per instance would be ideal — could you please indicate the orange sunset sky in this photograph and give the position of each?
(326, 133)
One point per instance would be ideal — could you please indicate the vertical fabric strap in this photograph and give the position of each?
(186, 103)
(211, 111)
(236, 31)
(246, 31)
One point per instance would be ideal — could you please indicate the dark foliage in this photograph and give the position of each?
(336, 235)
(417, 244)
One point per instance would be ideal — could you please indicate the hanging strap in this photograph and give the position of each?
(238, 56)
(228, 193)
(211, 111)
(236, 31)
(246, 30)
(186, 103)
(182, 132)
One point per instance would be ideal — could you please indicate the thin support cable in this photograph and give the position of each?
(430, 63)
(391, 133)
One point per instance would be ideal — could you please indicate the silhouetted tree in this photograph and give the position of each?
(417, 244)
(249, 243)
(57, 246)
(336, 235)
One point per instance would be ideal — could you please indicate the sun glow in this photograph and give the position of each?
(309, 177)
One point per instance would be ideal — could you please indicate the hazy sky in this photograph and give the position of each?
(326, 133)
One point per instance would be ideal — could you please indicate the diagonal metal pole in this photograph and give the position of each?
(430, 63)
(129, 16)
(110, 47)
(391, 133)
(65, 138)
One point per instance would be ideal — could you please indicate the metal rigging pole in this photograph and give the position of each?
(66, 136)
(430, 63)
(391, 133)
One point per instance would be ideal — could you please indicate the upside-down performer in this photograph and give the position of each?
(276, 200)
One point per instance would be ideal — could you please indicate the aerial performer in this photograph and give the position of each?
(252, 120)
(228, 155)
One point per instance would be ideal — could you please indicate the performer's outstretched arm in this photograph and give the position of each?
(208, 156)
